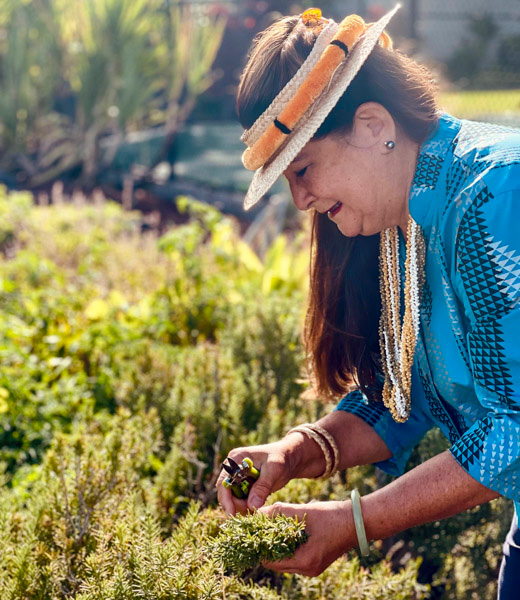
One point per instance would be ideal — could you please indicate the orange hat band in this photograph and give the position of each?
(311, 88)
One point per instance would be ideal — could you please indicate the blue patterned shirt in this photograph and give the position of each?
(466, 374)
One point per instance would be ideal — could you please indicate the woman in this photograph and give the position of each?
(415, 281)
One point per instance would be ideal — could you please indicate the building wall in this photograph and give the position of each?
(440, 25)
(443, 24)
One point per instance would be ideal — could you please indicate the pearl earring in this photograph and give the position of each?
(390, 144)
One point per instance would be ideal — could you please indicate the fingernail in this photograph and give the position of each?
(256, 502)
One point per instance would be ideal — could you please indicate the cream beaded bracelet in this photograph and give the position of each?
(313, 435)
(324, 439)
(358, 522)
(332, 443)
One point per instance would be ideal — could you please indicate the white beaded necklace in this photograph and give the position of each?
(397, 341)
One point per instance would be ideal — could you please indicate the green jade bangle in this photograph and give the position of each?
(358, 522)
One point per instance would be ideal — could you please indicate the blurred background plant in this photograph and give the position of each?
(74, 73)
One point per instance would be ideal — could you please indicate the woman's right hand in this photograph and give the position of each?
(275, 466)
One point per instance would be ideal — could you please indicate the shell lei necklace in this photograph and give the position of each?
(397, 341)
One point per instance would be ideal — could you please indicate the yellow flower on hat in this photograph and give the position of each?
(311, 17)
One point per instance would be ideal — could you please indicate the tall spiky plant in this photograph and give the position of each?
(192, 39)
(27, 76)
(125, 64)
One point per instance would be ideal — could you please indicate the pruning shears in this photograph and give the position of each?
(241, 476)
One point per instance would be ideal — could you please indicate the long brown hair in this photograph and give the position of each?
(341, 332)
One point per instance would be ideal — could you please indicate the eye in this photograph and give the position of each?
(301, 172)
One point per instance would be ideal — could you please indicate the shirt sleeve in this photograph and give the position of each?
(400, 438)
(488, 282)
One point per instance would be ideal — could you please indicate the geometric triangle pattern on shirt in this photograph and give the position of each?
(455, 178)
(499, 158)
(428, 170)
(476, 264)
(357, 404)
(482, 136)
(452, 306)
(490, 369)
(437, 410)
(468, 449)
(440, 374)
(483, 277)
(507, 268)
(426, 303)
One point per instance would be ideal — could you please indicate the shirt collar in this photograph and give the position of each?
(435, 156)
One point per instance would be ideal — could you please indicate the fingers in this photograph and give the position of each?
(297, 562)
(286, 565)
(270, 460)
(225, 499)
(283, 508)
(282, 566)
(260, 490)
(291, 565)
(224, 495)
(273, 510)
(229, 502)
(273, 476)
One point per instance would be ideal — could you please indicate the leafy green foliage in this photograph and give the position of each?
(12, 215)
(54, 514)
(348, 579)
(129, 367)
(84, 525)
(464, 552)
(245, 541)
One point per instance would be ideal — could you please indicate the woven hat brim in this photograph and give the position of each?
(311, 121)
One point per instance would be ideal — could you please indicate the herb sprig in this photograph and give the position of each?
(245, 541)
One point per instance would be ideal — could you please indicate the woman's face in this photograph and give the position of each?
(354, 178)
(348, 183)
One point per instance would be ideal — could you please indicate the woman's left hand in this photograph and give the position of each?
(330, 526)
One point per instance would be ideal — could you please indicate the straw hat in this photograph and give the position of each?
(264, 137)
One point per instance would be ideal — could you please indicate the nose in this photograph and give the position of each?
(302, 198)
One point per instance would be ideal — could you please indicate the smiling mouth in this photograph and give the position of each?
(334, 210)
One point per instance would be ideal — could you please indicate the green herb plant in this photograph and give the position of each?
(245, 541)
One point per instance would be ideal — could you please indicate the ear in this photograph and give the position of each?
(373, 125)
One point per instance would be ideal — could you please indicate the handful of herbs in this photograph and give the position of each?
(245, 541)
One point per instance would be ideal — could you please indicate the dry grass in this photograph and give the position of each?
(475, 104)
